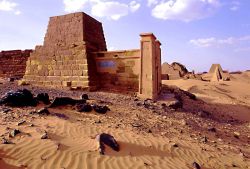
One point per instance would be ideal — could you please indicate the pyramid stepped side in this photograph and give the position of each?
(63, 60)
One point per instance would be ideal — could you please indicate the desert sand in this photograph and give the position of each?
(149, 137)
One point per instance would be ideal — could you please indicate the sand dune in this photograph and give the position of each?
(71, 145)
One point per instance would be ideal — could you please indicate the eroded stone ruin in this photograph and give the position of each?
(216, 73)
(13, 63)
(74, 55)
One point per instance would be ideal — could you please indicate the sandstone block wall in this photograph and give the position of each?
(13, 63)
(150, 76)
(118, 70)
(74, 54)
(64, 59)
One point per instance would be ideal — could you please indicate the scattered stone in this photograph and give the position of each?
(98, 122)
(183, 122)
(63, 101)
(101, 109)
(175, 145)
(11, 79)
(136, 125)
(150, 131)
(43, 111)
(107, 140)
(84, 108)
(204, 114)
(163, 105)
(44, 135)
(21, 122)
(204, 139)
(31, 125)
(175, 104)
(14, 132)
(234, 165)
(85, 97)
(33, 112)
(212, 129)
(62, 116)
(22, 83)
(18, 98)
(5, 110)
(237, 135)
(5, 141)
(190, 95)
(43, 97)
(196, 165)
(139, 104)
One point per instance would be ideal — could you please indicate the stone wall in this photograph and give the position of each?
(118, 70)
(64, 59)
(74, 54)
(13, 63)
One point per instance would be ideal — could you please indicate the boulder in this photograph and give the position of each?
(101, 109)
(18, 98)
(196, 165)
(14, 132)
(43, 111)
(63, 101)
(107, 140)
(43, 97)
(85, 97)
(84, 107)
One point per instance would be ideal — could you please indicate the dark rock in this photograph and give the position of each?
(18, 98)
(11, 79)
(43, 111)
(237, 135)
(62, 116)
(21, 122)
(136, 99)
(5, 141)
(31, 125)
(44, 135)
(101, 109)
(175, 104)
(43, 97)
(175, 145)
(14, 132)
(63, 101)
(5, 110)
(204, 114)
(84, 108)
(108, 140)
(163, 105)
(98, 122)
(196, 165)
(204, 139)
(190, 95)
(212, 129)
(85, 97)
(136, 125)
(139, 104)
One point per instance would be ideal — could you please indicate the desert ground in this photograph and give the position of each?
(211, 129)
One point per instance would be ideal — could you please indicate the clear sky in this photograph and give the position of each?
(195, 33)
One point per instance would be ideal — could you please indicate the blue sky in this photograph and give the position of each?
(196, 33)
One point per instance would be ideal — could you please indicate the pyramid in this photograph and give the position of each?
(64, 58)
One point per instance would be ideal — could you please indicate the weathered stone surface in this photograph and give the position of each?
(64, 59)
(13, 63)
